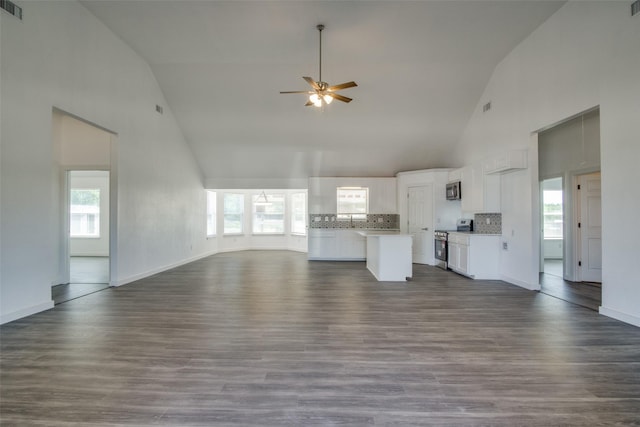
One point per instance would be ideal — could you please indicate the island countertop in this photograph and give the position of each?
(373, 233)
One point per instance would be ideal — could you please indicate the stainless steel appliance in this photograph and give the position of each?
(441, 241)
(441, 248)
(454, 191)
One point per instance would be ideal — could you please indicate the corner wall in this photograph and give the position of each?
(582, 57)
(61, 56)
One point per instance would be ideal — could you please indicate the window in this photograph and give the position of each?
(85, 212)
(299, 213)
(268, 213)
(211, 213)
(233, 213)
(353, 203)
(552, 214)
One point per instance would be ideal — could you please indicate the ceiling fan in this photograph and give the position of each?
(322, 93)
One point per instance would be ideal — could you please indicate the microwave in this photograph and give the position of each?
(453, 191)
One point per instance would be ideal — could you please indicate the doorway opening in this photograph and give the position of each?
(87, 211)
(570, 250)
(85, 155)
(552, 227)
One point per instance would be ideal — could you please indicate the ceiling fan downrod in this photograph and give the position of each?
(320, 27)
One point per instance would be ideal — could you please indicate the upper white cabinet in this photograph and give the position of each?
(323, 196)
(480, 192)
(506, 162)
(455, 175)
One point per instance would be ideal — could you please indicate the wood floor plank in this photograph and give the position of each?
(268, 338)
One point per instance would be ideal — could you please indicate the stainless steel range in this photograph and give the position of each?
(441, 241)
(441, 248)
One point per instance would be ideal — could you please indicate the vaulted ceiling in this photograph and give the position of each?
(421, 67)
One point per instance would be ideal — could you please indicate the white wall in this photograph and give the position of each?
(323, 196)
(585, 55)
(62, 56)
(92, 246)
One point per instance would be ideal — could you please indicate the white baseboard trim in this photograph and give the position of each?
(28, 311)
(529, 286)
(618, 315)
(148, 273)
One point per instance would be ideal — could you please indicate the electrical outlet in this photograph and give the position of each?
(505, 246)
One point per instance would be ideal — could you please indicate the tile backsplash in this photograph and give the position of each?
(373, 221)
(494, 225)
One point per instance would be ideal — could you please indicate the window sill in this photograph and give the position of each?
(267, 234)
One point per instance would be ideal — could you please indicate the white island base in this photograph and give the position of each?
(389, 255)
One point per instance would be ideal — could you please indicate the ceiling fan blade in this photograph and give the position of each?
(339, 97)
(299, 91)
(308, 104)
(312, 83)
(342, 86)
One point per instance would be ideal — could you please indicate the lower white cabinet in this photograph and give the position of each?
(336, 244)
(475, 255)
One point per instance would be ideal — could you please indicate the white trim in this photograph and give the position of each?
(148, 273)
(15, 315)
(528, 286)
(618, 315)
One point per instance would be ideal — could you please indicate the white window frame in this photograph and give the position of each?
(85, 211)
(224, 213)
(212, 217)
(292, 212)
(255, 204)
(343, 212)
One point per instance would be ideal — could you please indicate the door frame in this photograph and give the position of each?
(430, 244)
(565, 236)
(66, 219)
(576, 216)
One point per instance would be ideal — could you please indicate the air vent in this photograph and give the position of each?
(635, 7)
(159, 109)
(11, 8)
(486, 107)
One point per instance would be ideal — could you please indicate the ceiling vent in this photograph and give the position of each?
(159, 109)
(11, 8)
(486, 107)
(635, 7)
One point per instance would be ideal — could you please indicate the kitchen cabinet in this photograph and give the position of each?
(480, 192)
(505, 162)
(336, 244)
(351, 245)
(475, 255)
(321, 244)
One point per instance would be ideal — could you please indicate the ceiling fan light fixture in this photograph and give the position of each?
(322, 92)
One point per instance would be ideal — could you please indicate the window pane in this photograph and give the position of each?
(84, 212)
(268, 215)
(552, 214)
(353, 202)
(233, 213)
(299, 213)
(211, 213)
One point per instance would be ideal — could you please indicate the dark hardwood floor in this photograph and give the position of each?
(270, 339)
(585, 294)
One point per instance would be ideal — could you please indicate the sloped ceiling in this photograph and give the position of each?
(421, 67)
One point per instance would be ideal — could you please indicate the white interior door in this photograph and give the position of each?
(419, 222)
(590, 228)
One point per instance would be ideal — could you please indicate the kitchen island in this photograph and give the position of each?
(389, 255)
